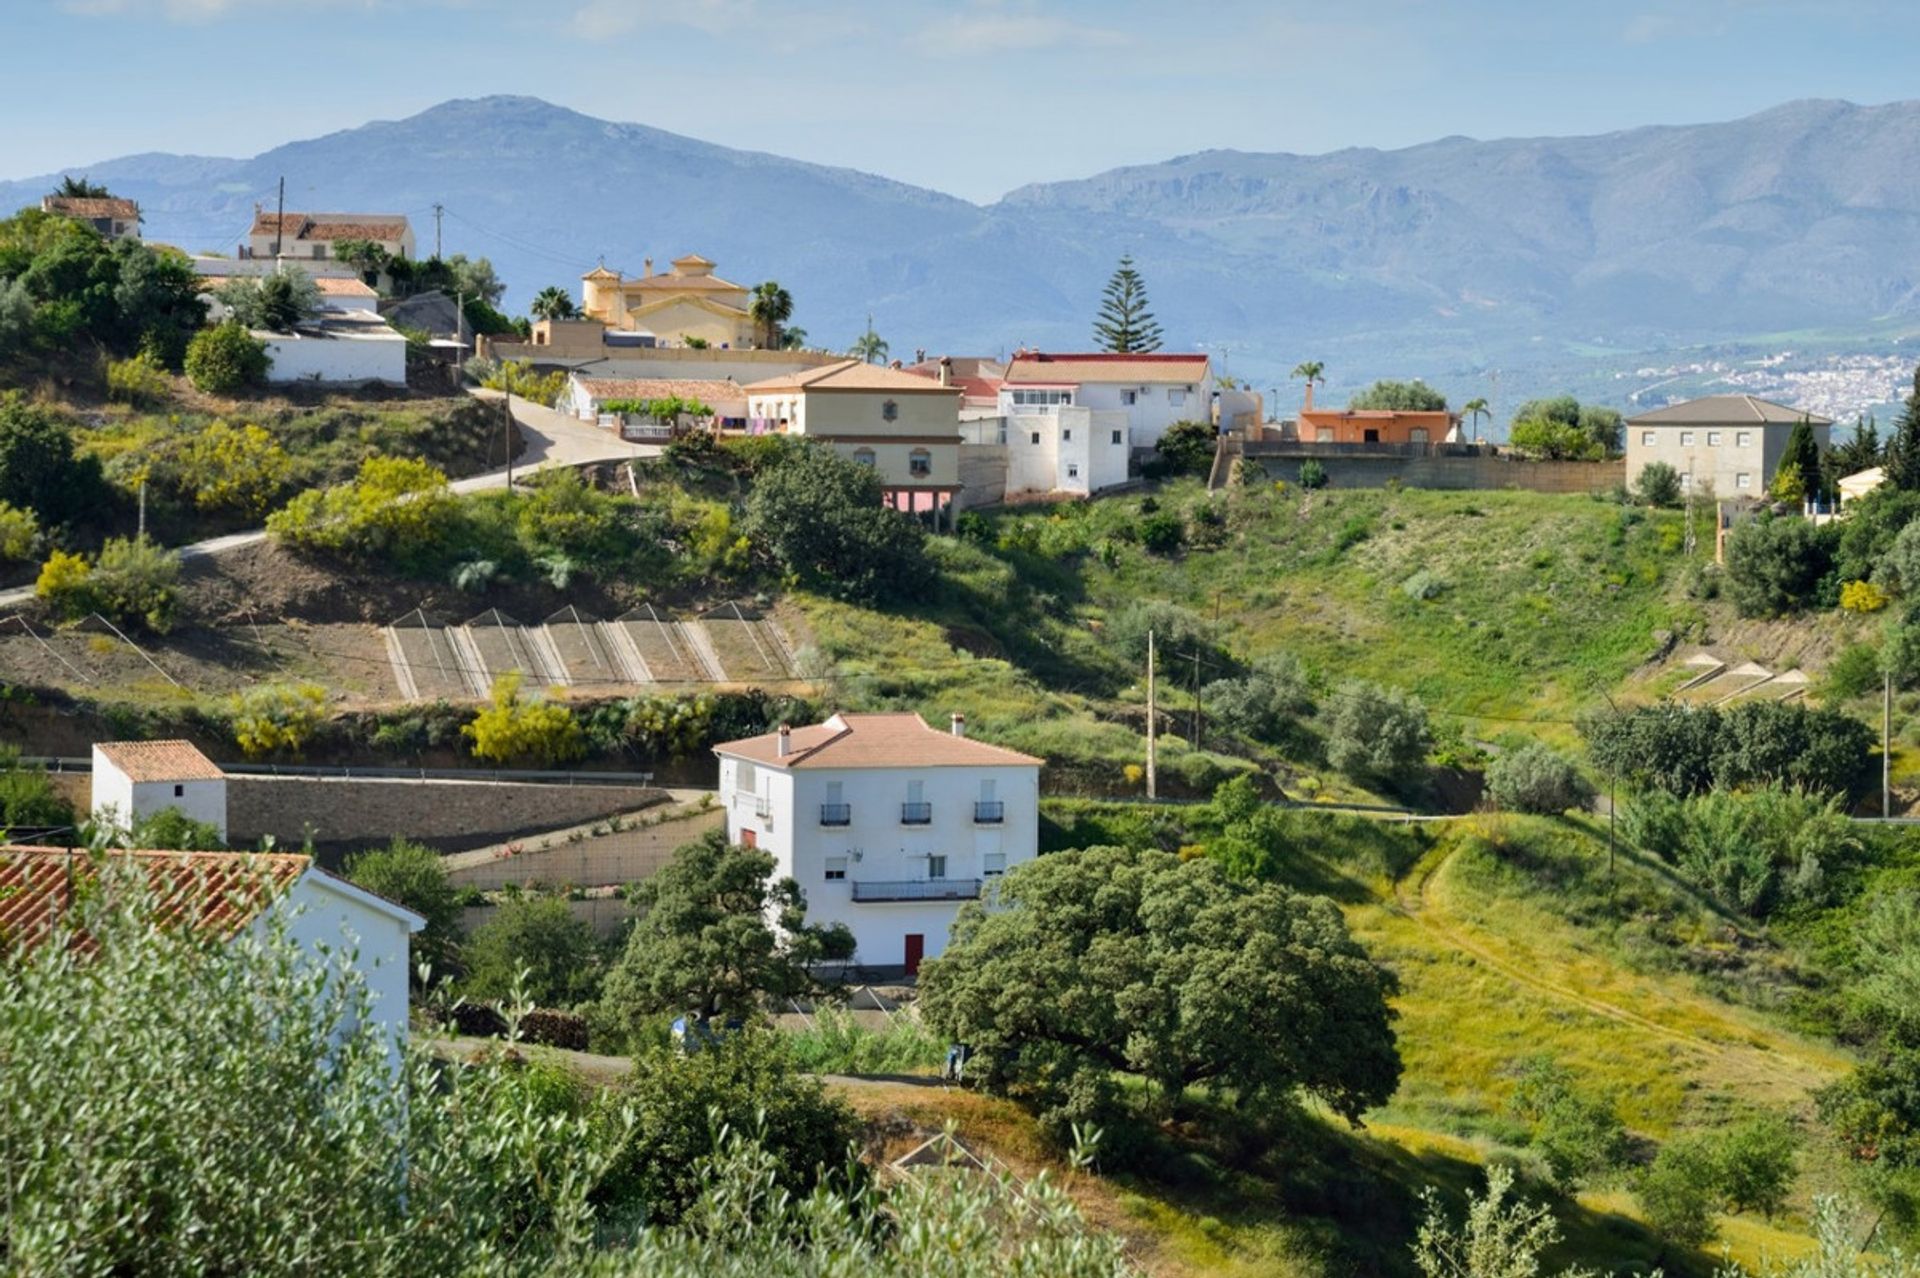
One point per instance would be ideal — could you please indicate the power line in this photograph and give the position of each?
(522, 245)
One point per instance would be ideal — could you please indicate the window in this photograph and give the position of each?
(1646, 439)
(1743, 439)
(836, 868)
(1116, 437)
(1037, 399)
(863, 456)
(1066, 436)
(1417, 435)
(920, 462)
(936, 867)
(1176, 397)
(1743, 480)
(1129, 398)
(890, 411)
(1686, 482)
(1686, 439)
(1323, 434)
(743, 777)
(1713, 439)
(993, 863)
(179, 792)
(1073, 470)
(1036, 436)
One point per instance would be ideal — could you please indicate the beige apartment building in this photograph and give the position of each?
(1727, 444)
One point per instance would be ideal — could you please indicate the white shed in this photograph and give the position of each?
(133, 780)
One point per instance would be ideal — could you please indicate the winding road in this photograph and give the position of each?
(553, 439)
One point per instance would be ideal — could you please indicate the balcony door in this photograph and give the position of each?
(916, 950)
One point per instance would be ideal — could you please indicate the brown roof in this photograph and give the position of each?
(91, 207)
(1727, 410)
(853, 375)
(1037, 367)
(343, 286)
(979, 379)
(332, 226)
(680, 284)
(219, 892)
(874, 741)
(714, 395)
(145, 761)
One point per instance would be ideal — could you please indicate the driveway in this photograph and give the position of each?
(553, 439)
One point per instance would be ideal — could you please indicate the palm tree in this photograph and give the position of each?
(1313, 371)
(869, 346)
(553, 303)
(772, 308)
(1476, 409)
(793, 339)
(78, 188)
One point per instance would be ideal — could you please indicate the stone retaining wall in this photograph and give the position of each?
(1282, 462)
(444, 814)
(579, 857)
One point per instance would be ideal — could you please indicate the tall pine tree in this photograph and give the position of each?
(1801, 460)
(1903, 450)
(1125, 326)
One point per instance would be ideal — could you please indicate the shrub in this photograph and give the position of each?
(533, 947)
(1375, 733)
(19, 532)
(1415, 396)
(1862, 596)
(1424, 585)
(1853, 673)
(1187, 448)
(277, 717)
(141, 380)
(1755, 851)
(1754, 1164)
(39, 470)
(1774, 565)
(837, 1043)
(537, 731)
(65, 585)
(225, 359)
(1312, 474)
(1265, 704)
(1685, 749)
(516, 377)
(172, 830)
(136, 582)
(1678, 1192)
(1162, 532)
(27, 797)
(821, 516)
(1554, 441)
(395, 507)
(1534, 778)
(1658, 485)
(241, 470)
(413, 875)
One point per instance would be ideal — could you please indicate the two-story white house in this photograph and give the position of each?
(888, 825)
(1073, 421)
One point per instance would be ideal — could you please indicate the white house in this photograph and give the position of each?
(343, 347)
(312, 236)
(888, 825)
(1151, 392)
(132, 780)
(331, 920)
(115, 218)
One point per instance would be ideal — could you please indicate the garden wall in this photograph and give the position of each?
(1283, 462)
(591, 855)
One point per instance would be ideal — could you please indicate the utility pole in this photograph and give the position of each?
(506, 403)
(1886, 745)
(280, 217)
(143, 512)
(438, 209)
(1196, 697)
(1152, 724)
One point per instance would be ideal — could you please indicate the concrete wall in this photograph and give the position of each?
(1716, 455)
(607, 915)
(298, 357)
(983, 476)
(855, 420)
(1283, 462)
(444, 813)
(581, 858)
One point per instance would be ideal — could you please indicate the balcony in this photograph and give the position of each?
(836, 814)
(918, 890)
(989, 812)
(916, 814)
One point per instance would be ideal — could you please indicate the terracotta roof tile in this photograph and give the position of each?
(1727, 410)
(92, 206)
(852, 374)
(332, 226)
(716, 395)
(160, 760)
(874, 741)
(1037, 367)
(218, 892)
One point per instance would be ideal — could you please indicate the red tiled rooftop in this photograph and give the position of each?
(146, 761)
(874, 741)
(216, 892)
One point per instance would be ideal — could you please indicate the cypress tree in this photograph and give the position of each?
(1903, 450)
(1125, 326)
(1801, 458)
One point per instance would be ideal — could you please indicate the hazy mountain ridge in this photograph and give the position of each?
(1449, 256)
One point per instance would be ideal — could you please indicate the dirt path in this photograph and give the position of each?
(1415, 899)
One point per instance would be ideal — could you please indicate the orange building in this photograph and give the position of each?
(1375, 426)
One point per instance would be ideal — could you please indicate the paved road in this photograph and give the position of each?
(553, 439)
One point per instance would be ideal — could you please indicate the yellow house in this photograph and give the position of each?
(689, 301)
(905, 426)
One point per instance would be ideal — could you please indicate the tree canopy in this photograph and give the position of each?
(553, 303)
(717, 934)
(1111, 961)
(275, 302)
(1563, 416)
(869, 346)
(821, 516)
(1404, 397)
(771, 308)
(63, 287)
(1125, 326)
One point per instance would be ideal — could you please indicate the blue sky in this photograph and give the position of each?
(972, 97)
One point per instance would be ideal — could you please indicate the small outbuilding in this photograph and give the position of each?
(132, 780)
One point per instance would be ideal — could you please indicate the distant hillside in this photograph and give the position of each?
(1547, 258)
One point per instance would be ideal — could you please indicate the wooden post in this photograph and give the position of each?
(1886, 745)
(1152, 715)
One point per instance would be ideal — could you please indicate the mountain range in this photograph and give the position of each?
(1550, 259)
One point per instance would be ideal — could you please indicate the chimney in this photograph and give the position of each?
(649, 269)
(946, 370)
(786, 741)
(959, 725)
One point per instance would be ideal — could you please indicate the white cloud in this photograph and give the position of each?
(606, 19)
(991, 29)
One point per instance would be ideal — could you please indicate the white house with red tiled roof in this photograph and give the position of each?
(314, 235)
(334, 924)
(888, 825)
(115, 218)
(133, 780)
(1072, 422)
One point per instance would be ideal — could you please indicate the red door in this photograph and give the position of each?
(916, 950)
(749, 839)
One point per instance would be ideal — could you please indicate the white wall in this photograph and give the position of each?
(326, 916)
(299, 357)
(1076, 450)
(1148, 417)
(878, 848)
(118, 800)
